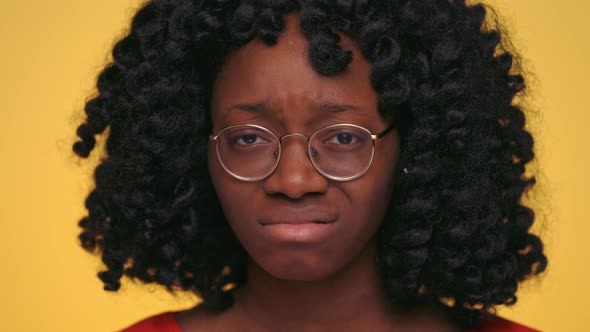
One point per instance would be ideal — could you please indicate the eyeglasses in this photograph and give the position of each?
(340, 152)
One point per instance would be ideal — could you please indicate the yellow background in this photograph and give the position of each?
(50, 54)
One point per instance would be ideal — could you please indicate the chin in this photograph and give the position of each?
(298, 268)
(299, 274)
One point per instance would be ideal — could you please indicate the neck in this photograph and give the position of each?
(350, 299)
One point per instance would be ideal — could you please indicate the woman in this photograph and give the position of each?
(314, 166)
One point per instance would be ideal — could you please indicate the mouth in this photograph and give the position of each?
(294, 222)
(298, 231)
(300, 216)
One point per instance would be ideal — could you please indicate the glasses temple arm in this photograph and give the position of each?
(383, 133)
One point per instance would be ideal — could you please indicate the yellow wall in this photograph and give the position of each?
(50, 54)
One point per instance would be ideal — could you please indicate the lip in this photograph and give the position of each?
(310, 214)
(298, 233)
(300, 225)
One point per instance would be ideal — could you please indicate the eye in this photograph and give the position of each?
(343, 138)
(248, 139)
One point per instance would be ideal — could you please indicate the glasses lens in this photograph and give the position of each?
(247, 151)
(342, 151)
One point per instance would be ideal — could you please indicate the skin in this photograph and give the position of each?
(302, 284)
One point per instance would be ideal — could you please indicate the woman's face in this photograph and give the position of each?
(277, 88)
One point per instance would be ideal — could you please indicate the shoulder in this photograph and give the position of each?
(164, 322)
(197, 318)
(499, 324)
(200, 318)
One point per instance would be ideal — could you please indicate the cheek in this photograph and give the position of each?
(236, 197)
(215, 170)
(371, 195)
(368, 198)
(223, 183)
(386, 160)
(369, 201)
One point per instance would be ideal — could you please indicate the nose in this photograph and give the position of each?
(295, 175)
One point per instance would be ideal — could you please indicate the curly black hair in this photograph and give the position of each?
(456, 230)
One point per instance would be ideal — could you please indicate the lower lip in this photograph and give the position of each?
(308, 232)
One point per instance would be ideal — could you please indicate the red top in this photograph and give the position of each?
(166, 322)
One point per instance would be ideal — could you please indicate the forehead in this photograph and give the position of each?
(282, 78)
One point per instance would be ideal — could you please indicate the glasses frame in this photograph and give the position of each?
(374, 137)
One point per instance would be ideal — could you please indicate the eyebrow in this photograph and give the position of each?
(335, 108)
(324, 106)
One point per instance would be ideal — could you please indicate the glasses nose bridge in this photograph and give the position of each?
(307, 139)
